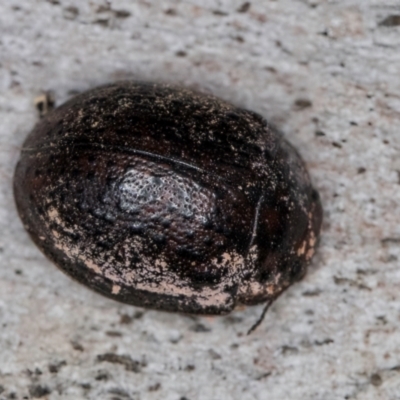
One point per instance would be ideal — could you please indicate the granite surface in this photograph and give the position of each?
(327, 73)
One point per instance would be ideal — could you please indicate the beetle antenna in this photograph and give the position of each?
(261, 318)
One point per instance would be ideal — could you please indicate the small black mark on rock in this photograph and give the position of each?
(271, 69)
(102, 21)
(126, 361)
(361, 170)
(122, 13)
(301, 104)
(18, 272)
(190, 368)
(200, 328)
(346, 281)
(398, 177)
(32, 374)
(171, 11)
(38, 391)
(220, 13)
(376, 380)
(233, 319)
(181, 53)
(319, 133)
(125, 319)
(336, 144)
(312, 293)
(391, 20)
(390, 240)
(155, 387)
(113, 333)
(102, 376)
(71, 12)
(366, 271)
(289, 350)
(2, 389)
(119, 392)
(382, 319)
(263, 376)
(323, 342)
(103, 8)
(244, 7)
(55, 367)
(77, 346)
(138, 314)
(214, 355)
(86, 386)
(353, 123)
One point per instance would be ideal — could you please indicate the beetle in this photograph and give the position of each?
(163, 197)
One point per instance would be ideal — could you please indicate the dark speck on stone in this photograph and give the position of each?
(125, 319)
(71, 12)
(113, 334)
(391, 20)
(200, 328)
(102, 376)
(244, 7)
(301, 104)
(126, 361)
(39, 391)
(214, 355)
(376, 380)
(220, 13)
(77, 346)
(171, 11)
(122, 13)
(155, 387)
(336, 144)
(55, 367)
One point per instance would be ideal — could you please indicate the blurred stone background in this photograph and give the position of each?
(327, 73)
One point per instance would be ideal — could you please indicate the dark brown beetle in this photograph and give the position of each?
(162, 197)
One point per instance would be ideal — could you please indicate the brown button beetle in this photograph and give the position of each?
(162, 197)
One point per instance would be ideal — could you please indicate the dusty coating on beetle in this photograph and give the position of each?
(162, 197)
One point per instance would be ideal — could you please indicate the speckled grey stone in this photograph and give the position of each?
(327, 74)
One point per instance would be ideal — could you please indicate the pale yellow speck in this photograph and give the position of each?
(116, 289)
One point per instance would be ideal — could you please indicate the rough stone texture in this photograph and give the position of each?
(327, 73)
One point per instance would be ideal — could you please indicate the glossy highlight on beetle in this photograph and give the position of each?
(163, 197)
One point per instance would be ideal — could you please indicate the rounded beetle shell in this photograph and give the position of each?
(166, 198)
